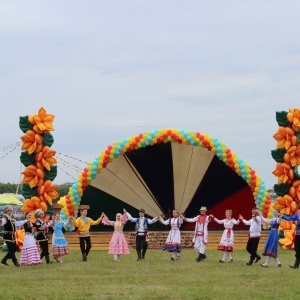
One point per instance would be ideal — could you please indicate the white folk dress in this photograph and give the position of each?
(227, 239)
(173, 242)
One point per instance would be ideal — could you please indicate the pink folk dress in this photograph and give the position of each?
(118, 244)
(29, 254)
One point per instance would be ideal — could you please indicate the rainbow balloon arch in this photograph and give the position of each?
(168, 135)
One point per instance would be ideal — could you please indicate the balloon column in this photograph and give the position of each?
(287, 156)
(72, 199)
(39, 161)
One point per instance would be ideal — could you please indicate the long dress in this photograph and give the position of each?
(59, 242)
(29, 254)
(173, 242)
(271, 245)
(117, 244)
(227, 239)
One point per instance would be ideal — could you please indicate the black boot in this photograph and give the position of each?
(15, 262)
(296, 265)
(143, 253)
(84, 256)
(139, 255)
(199, 258)
(3, 262)
(203, 257)
(257, 258)
(48, 260)
(249, 263)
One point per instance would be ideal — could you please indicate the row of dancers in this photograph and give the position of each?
(118, 245)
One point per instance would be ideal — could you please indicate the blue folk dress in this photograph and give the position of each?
(59, 242)
(271, 244)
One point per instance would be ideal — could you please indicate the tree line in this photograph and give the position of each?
(62, 190)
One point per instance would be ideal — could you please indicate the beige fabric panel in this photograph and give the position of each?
(190, 164)
(120, 181)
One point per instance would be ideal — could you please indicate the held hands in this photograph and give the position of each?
(241, 217)
(103, 214)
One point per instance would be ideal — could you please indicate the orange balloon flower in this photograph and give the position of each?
(293, 117)
(285, 137)
(48, 192)
(284, 172)
(42, 121)
(33, 176)
(32, 142)
(293, 156)
(45, 158)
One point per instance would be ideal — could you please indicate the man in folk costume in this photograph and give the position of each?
(254, 235)
(10, 225)
(42, 227)
(201, 233)
(141, 229)
(83, 223)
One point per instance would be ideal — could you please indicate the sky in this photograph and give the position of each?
(111, 69)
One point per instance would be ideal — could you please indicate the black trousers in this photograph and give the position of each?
(252, 247)
(297, 246)
(45, 248)
(85, 244)
(141, 244)
(11, 254)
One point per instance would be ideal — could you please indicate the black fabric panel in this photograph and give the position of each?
(219, 182)
(100, 201)
(154, 164)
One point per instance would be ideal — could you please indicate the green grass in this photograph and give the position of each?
(157, 277)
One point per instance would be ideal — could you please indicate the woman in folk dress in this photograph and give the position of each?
(270, 249)
(29, 254)
(227, 239)
(173, 242)
(118, 245)
(59, 242)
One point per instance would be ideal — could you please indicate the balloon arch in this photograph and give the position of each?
(168, 135)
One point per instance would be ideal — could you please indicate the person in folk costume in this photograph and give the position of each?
(83, 223)
(30, 253)
(42, 227)
(141, 229)
(271, 245)
(295, 217)
(227, 239)
(173, 242)
(254, 235)
(10, 225)
(118, 245)
(59, 242)
(201, 233)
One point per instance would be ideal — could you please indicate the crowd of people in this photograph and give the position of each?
(36, 234)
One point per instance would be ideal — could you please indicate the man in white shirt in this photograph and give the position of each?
(254, 235)
(141, 229)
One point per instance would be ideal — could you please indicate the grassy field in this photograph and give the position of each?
(157, 277)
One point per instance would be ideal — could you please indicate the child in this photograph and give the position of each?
(270, 249)
(227, 239)
(42, 237)
(118, 245)
(29, 254)
(201, 233)
(59, 242)
(173, 242)
(254, 235)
